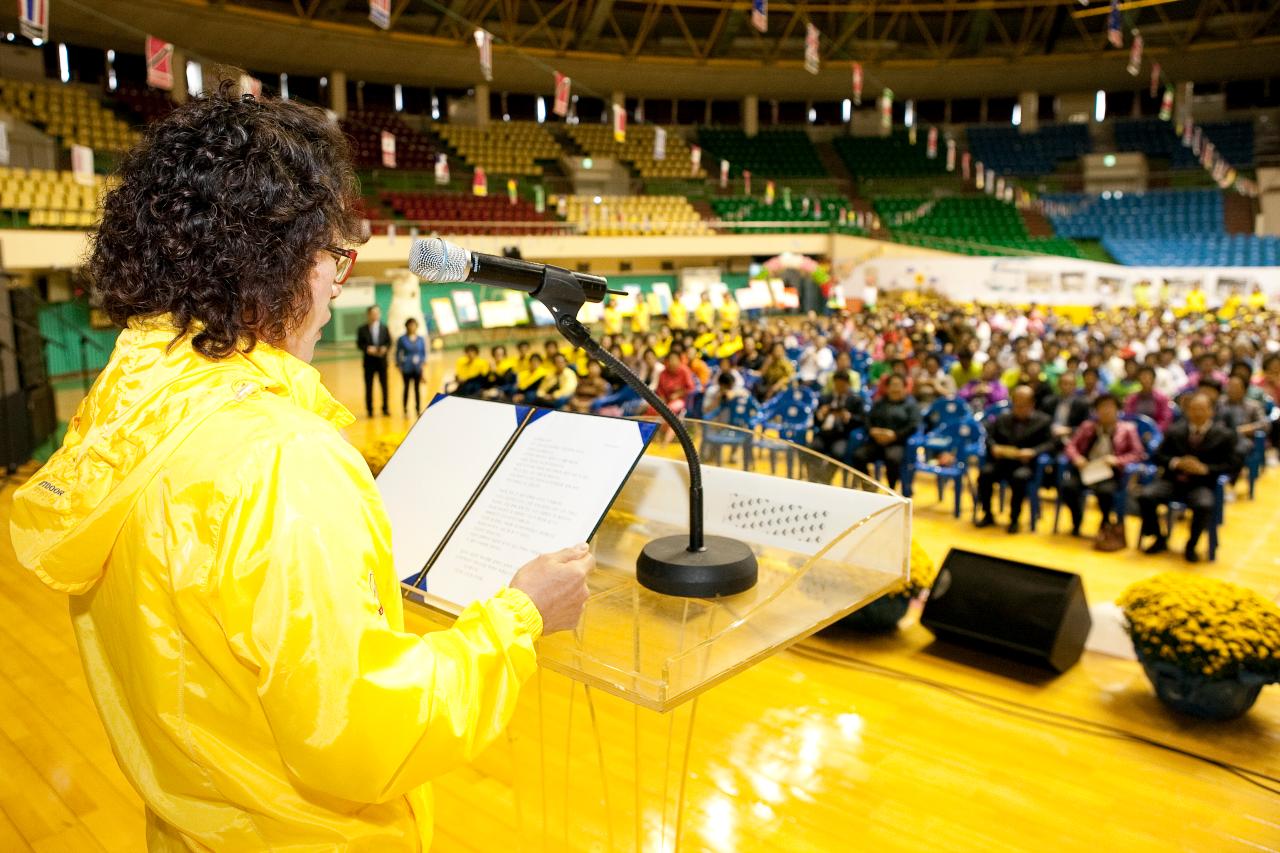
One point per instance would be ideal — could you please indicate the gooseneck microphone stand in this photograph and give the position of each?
(696, 566)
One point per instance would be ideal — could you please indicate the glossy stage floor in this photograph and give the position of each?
(844, 743)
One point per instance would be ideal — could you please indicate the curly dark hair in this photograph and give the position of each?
(218, 217)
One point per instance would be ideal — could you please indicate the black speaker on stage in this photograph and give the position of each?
(1012, 609)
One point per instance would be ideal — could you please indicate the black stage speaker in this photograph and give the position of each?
(1008, 608)
(27, 401)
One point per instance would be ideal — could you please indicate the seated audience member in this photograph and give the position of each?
(1105, 439)
(471, 373)
(1206, 369)
(986, 390)
(1091, 384)
(931, 382)
(844, 362)
(751, 358)
(879, 368)
(590, 388)
(1014, 441)
(898, 367)
(1170, 377)
(776, 373)
(1070, 408)
(1150, 402)
(965, 370)
(647, 369)
(1242, 415)
(503, 368)
(528, 380)
(1252, 390)
(1129, 384)
(699, 367)
(816, 363)
(892, 420)
(522, 356)
(839, 414)
(716, 400)
(675, 383)
(1190, 458)
(1269, 382)
(558, 385)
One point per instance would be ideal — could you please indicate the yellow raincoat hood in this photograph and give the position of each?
(232, 593)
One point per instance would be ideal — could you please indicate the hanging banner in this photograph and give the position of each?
(513, 194)
(1187, 135)
(857, 84)
(479, 183)
(911, 135)
(951, 155)
(1166, 104)
(1135, 54)
(388, 149)
(1008, 194)
(844, 217)
(886, 109)
(391, 234)
(769, 193)
(33, 19)
(1197, 141)
(619, 123)
(250, 85)
(965, 160)
(811, 63)
(561, 105)
(1115, 35)
(442, 168)
(4, 143)
(786, 197)
(991, 184)
(746, 182)
(931, 145)
(1155, 79)
(562, 206)
(1000, 187)
(539, 199)
(82, 164)
(979, 175)
(659, 144)
(380, 13)
(484, 42)
(724, 173)
(695, 159)
(760, 15)
(159, 56)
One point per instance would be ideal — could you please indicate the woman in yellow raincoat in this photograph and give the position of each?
(226, 552)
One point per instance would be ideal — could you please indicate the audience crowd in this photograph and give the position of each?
(1139, 407)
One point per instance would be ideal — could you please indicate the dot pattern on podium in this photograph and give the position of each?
(792, 521)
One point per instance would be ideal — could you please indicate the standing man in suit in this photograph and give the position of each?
(374, 341)
(1194, 453)
(1015, 440)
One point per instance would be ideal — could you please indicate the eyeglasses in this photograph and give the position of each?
(346, 260)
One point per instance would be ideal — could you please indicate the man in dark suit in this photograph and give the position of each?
(1067, 408)
(839, 414)
(1013, 443)
(374, 341)
(1194, 453)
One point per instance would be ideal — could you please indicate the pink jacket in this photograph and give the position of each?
(1163, 409)
(1126, 445)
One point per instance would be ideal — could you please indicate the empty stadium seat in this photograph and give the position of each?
(50, 199)
(1155, 138)
(459, 213)
(597, 140)
(1011, 152)
(1190, 250)
(414, 150)
(888, 157)
(72, 113)
(782, 153)
(971, 225)
(631, 215)
(502, 148)
(1161, 213)
(822, 212)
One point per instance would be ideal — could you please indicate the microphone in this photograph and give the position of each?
(441, 262)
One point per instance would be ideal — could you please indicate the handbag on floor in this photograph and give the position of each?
(1111, 537)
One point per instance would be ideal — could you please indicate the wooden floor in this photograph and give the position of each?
(845, 743)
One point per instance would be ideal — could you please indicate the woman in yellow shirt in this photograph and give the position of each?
(678, 315)
(640, 318)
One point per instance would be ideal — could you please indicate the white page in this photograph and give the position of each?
(436, 470)
(549, 493)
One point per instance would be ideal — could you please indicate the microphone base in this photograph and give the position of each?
(723, 567)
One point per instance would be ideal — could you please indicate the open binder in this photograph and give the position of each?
(479, 488)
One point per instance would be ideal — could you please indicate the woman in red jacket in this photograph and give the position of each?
(1104, 441)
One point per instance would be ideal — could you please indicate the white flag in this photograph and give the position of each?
(484, 41)
(82, 164)
(811, 36)
(659, 144)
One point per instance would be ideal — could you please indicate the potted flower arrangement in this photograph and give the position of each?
(1208, 646)
(887, 611)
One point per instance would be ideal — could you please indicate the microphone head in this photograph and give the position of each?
(438, 261)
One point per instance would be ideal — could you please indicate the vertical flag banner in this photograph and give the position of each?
(4, 143)
(746, 182)
(1197, 141)
(844, 217)
(931, 146)
(539, 199)
(33, 19)
(561, 105)
(1008, 194)
(965, 160)
(811, 63)
(1115, 35)
(911, 135)
(1135, 54)
(1155, 79)
(695, 159)
(886, 109)
(159, 56)
(442, 168)
(82, 164)
(391, 234)
(760, 15)
(388, 149)
(857, 84)
(659, 144)
(724, 173)
(991, 183)
(484, 42)
(979, 175)
(479, 183)
(1166, 104)
(619, 123)
(250, 85)
(786, 197)
(951, 155)
(770, 193)
(512, 194)
(1000, 187)
(380, 13)
(562, 206)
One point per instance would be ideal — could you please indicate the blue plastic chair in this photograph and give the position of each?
(1216, 517)
(1257, 459)
(994, 411)
(742, 412)
(945, 410)
(622, 396)
(790, 414)
(1150, 436)
(962, 438)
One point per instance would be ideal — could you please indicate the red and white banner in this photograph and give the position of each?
(695, 159)
(619, 123)
(159, 56)
(811, 62)
(659, 144)
(250, 85)
(82, 164)
(886, 109)
(1166, 104)
(931, 145)
(746, 182)
(1115, 35)
(33, 19)
(484, 42)
(380, 13)
(1155, 79)
(951, 155)
(479, 183)
(561, 105)
(760, 15)
(965, 160)
(388, 149)
(442, 168)
(724, 173)
(857, 84)
(1135, 55)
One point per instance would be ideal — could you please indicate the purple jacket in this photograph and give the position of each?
(1162, 410)
(1126, 445)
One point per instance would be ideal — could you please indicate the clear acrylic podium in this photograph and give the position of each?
(596, 757)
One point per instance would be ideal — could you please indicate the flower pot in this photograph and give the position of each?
(1200, 696)
(883, 614)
